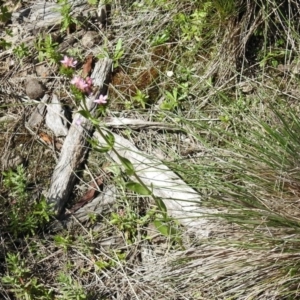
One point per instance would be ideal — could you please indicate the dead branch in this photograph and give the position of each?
(75, 146)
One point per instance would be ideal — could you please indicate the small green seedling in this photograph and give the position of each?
(66, 13)
(4, 44)
(171, 100)
(16, 182)
(21, 51)
(5, 15)
(160, 38)
(140, 98)
(47, 49)
(118, 53)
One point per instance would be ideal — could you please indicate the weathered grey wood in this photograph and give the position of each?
(182, 202)
(97, 206)
(75, 146)
(114, 122)
(56, 118)
(101, 205)
(45, 14)
(38, 114)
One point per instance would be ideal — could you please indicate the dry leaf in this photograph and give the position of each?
(89, 195)
(46, 138)
(87, 66)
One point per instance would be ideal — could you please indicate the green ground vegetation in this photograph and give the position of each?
(225, 72)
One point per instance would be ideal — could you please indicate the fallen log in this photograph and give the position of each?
(48, 14)
(75, 146)
(182, 202)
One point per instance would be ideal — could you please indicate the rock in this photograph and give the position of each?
(34, 89)
(90, 39)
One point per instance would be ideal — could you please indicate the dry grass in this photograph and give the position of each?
(232, 148)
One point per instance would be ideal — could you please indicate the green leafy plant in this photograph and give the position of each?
(160, 38)
(5, 15)
(192, 26)
(110, 261)
(64, 242)
(118, 53)
(225, 8)
(103, 51)
(21, 282)
(30, 214)
(76, 52)
(140, 98)
(26, 219)
(273, 58)
(79, 96)
(172, 100)
(47, 49)
(168, 228)
(70, 288)
(138, 188)
(4, 44)
(128, 221)
(21, 51)
(16, 181)
(9, 32)
(68, 72)
(66, 13)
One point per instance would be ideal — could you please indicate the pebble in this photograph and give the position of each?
(90, 39)
(34, 89)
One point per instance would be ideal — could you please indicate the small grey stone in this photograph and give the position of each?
(90, 39)
(34, 89)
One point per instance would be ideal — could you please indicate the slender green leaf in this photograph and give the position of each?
(129, 169)
(165, 229)
(138, 188)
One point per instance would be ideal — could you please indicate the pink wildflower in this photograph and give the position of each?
(102, 99)
(89, 83)
(75, 80)
(79, 83)
(68, 62)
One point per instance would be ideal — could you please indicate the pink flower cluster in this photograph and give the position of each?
(69, 62)
(84, 85)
